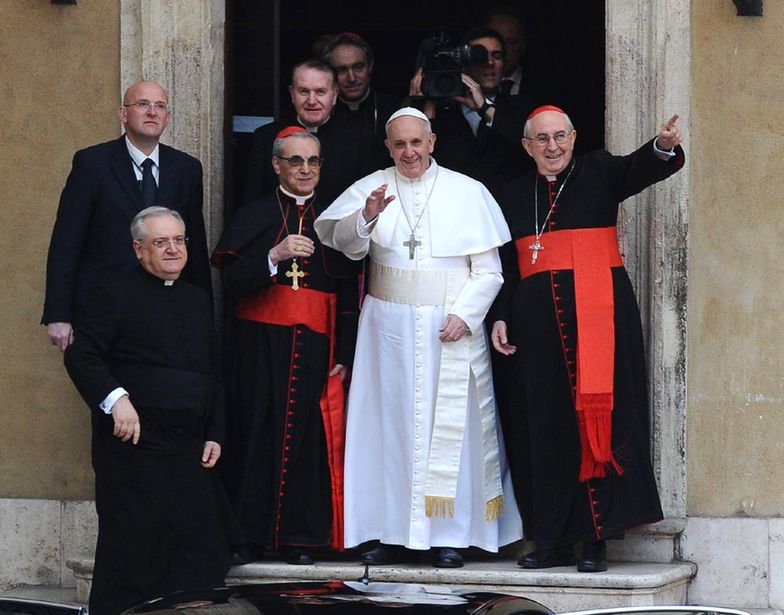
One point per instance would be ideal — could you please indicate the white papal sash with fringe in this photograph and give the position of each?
(458, 360)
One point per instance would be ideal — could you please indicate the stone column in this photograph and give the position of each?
(180, 44)
(647, 81)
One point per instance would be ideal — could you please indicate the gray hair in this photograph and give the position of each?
(138, 227)
(277, 144)
(527, 127)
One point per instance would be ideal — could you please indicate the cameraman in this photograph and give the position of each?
(480, 132)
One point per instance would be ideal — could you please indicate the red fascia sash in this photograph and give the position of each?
(589, 253)
(281, 305)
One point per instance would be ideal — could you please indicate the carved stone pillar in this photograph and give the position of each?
(647, 81)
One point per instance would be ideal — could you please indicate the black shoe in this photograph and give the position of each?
(447, 557)
(296, 556)
(246, 554)
(547, 558)
(383, 555)
(593, 557)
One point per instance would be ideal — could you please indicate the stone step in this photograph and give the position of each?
(560, 589)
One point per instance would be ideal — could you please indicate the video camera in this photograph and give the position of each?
(442, 65)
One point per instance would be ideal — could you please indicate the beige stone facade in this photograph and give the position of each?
(704, 251)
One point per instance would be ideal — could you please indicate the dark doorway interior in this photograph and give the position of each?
(564, 62)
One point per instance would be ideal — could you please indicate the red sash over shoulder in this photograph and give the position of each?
(281, 305)
(590, 253)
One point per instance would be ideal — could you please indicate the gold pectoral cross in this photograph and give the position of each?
(295, 274)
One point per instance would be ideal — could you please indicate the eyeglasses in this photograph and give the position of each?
(164, 242)
(299, 161)
(146, 105)
(559, 137)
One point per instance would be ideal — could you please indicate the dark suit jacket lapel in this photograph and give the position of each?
(122, 167)
(168, 172)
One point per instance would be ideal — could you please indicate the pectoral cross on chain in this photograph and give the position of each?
(535, 247)
(295, 274)
(412, 244)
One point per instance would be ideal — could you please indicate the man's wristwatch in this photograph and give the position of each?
(485, 106)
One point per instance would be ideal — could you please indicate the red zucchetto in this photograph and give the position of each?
(544, 108)
(288, 131)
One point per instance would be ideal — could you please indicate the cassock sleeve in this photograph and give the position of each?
(628, 175)
(215, 425)
(248, 272)
(87, 359)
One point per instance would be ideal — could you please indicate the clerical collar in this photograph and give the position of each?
(313, 129)
(154, 278)
(355, 104)
(298, 199)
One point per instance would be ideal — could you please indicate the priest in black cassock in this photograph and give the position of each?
(568, 315)
(362, 107)
(142, 360)
(348, 153)
(289, 343)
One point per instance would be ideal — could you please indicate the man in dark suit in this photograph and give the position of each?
(479, 133)
(143, 360)
(507, 21)
(109, 183)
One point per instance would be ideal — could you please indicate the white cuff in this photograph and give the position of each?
(107, 404)
(364, 228)
(662, 153)
(273, 269)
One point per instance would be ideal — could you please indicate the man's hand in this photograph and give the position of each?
(292, 247)
(669, 135)
(376, 203)
(211, 454)
(415, 85)
(126, 420)
(60, 334)
(499, 339)
(474, 99)
(339, 370)
(415, 91)
(453, 329)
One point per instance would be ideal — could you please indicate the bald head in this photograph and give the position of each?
(144, 114)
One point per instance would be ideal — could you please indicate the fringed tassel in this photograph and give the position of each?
(494, 508)
(437, 506)
(596, 442)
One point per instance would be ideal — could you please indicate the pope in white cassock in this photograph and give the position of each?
(425, 465)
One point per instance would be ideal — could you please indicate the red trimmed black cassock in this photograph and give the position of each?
(283, 459)
(588, 478)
